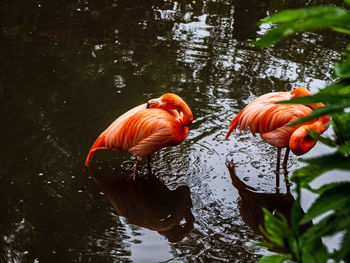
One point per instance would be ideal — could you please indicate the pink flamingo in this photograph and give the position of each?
(272, 120)
(147, 128)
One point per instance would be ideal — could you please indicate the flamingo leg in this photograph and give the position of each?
(149, 164)
(278, 163)
(284, 165)
(138, 160)
(285, 160)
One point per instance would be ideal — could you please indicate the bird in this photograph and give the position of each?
(272, 121)
(147, 128)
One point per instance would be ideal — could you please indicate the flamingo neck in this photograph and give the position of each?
(187, 118)
(301, 142)
(172, 101)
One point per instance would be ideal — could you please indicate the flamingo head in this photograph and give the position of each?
(301, 142)
(300, 92)
(166, 101)
(172, 101)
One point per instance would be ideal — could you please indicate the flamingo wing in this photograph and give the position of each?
(145, 132)
(269, 119)
(121, 119)
(152, 143)
(250, 116)
(100, 142)
(274, 126)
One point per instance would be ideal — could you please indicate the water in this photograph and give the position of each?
(69, 69)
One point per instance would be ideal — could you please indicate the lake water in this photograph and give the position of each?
(69, 68)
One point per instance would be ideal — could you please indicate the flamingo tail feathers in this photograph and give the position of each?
(233, 124)
(98, 144)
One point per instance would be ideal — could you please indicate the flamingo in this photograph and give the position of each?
(146, 129)
(272, 120)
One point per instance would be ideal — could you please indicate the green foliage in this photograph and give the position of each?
(334, 199)
(301, 20)
(333, 202)
(343, 253)
(281, 238)
(324, 140)
(274, 258)
(343, 69)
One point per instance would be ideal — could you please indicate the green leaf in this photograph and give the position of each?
(347, 2)
(295, 218)
(276, 229)
(315, 231)
(302, 20)
(268, 245)
(345, 149)
(328, 226)
(322, 139)
(327, 110)
(341, 30)
(275, 258)
(314, 252)
(319, 97)
(326, 187)
(322, 22)
(308, 173)
(318, 166)
(342, 70)
(344, 252)
(341, 125)
(273, 228)
(331, 161)
(340, 87)
(274, 35)
(300, 14)
(335, 93)
(334, 198)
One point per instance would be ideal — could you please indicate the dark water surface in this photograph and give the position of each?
(69, 68)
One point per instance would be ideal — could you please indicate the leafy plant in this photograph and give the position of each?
(333, 202)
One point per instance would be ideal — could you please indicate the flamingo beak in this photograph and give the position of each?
(154, 103)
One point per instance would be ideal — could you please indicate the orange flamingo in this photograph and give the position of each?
(147, 128)
(272, 121)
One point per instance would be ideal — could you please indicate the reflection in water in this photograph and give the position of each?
(251, 202)
(251, 11)
(148, 202)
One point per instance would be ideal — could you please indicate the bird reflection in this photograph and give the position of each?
(148, 202)
(251, 202)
